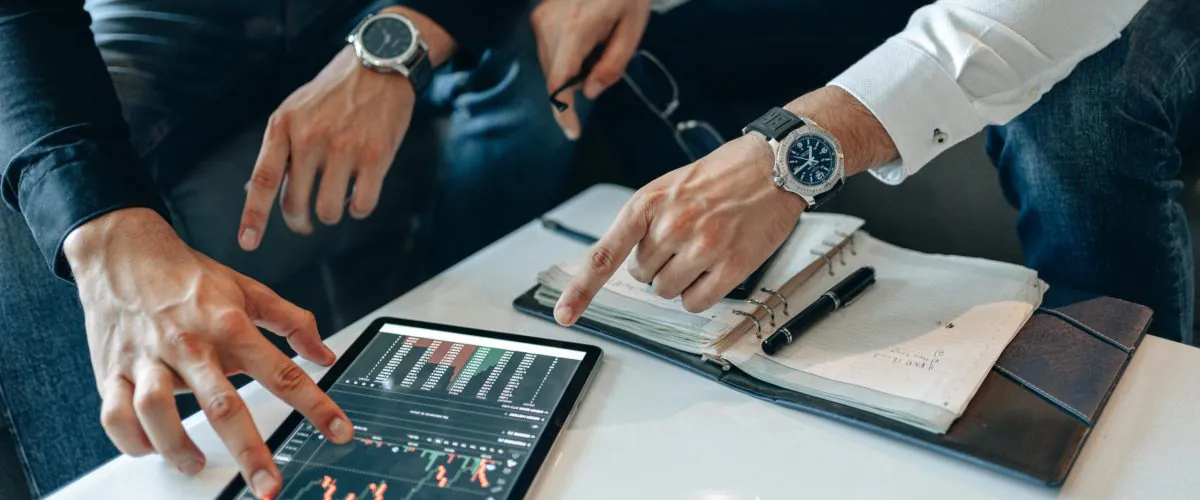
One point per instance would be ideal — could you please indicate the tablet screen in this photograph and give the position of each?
(437, 415)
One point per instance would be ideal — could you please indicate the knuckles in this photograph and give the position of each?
(188, 345)
(265, 179)
(602, 261)
(114, 416)
(697, 304)
(150, 399)
(230, 322)
(223, 406)
(290, 378)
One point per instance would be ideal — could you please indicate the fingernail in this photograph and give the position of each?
(249, 238)
(341, 429)
(593, 89)
(192, 466)
(571, 133)
(565, 316)
(264, 483)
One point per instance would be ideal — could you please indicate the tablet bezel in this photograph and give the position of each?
(541, 449)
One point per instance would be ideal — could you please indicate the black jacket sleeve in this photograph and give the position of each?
(64, 146)
(474, 24)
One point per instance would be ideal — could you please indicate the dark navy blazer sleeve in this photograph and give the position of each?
(64, 145)
(474, 24)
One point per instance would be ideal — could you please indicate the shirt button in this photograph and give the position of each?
(940, 137)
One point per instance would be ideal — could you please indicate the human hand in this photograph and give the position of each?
(346, 123)
(568, 31)
(161, 317)
(699, 230)
(702, 229)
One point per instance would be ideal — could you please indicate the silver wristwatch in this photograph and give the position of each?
(808, 159)
(390, 43)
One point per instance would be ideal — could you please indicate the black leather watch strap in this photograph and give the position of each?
(422, 71)
(820, 199)
(775, 124)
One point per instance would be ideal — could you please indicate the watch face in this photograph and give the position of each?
(812, 160)
(387, 38)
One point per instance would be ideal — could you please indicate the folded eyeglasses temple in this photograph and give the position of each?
(584, 71)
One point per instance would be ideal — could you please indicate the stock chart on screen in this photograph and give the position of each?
(437, 415)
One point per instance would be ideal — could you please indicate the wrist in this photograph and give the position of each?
(441, 44)
(865, 143)
(763, 161)
(92, 241)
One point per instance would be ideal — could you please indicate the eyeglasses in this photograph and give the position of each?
(657, 89)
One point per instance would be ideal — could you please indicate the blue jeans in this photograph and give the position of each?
(1094, 169)
(190, 76)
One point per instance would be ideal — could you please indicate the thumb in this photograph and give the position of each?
(285, 319)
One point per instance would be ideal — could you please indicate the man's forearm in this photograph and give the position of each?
(63, 142)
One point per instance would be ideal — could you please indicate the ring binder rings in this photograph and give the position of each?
(757, 324)
(764, 306)
(767, 304)
(782, 299)
(828, 260)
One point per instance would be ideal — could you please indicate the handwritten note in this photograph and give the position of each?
(928, 331)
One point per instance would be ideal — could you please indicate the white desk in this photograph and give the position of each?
(647, 429)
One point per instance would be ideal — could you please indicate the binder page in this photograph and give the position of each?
(928, 331)
(627, 302)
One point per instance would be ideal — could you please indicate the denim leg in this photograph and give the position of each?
(1093, 169)
(46, 373)
(504, 159)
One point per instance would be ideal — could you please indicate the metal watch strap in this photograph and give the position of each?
(775, 124)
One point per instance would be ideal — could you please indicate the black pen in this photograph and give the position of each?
(557, 227)
(841, 295)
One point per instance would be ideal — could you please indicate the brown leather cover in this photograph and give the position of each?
(1034, 411)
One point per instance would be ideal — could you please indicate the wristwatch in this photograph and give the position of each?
(808, 159)
(390, 43)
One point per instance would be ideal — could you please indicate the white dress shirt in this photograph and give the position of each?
(961, 65)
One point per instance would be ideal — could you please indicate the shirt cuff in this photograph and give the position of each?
(73, 184)
(920, 105)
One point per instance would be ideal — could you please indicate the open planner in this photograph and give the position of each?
(949, 352)
(913, 348)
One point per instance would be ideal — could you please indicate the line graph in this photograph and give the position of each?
(413, 471)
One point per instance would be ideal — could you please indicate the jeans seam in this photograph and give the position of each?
(30, 480)
(1183, 61)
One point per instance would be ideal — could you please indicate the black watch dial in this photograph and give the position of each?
(812, 160)
(387, 38)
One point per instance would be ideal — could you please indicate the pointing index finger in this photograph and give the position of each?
(603, 260)
(264, 185)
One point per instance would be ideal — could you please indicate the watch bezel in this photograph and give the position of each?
(787, 180)
(399, 63)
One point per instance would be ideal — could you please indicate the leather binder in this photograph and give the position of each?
(1034, 411)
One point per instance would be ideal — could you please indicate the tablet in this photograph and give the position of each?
(439, 412)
